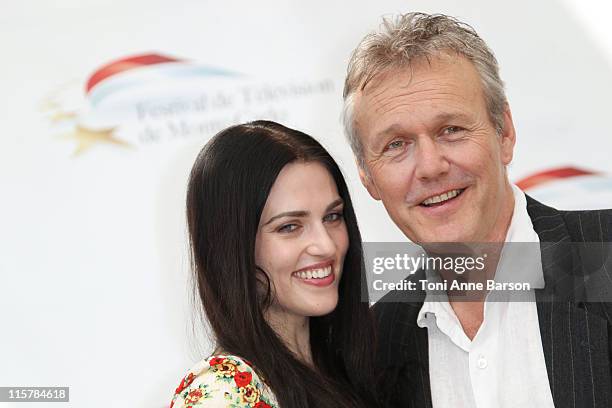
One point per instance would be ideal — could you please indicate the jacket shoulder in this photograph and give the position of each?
(589, 225)
(582, 225)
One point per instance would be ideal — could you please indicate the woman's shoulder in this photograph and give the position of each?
(223, 381)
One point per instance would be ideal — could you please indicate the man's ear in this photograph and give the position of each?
(508, 137)
(366, 180)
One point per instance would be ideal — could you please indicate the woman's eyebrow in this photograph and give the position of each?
(334, 203)
(288, 214)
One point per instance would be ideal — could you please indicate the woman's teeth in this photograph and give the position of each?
(314, 273)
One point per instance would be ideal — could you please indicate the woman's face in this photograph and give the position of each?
(302, 240)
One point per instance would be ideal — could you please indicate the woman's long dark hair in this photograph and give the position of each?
(228, 188)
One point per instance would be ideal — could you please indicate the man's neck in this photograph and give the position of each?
(470, 313)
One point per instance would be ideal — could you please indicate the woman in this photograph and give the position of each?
(278, 263)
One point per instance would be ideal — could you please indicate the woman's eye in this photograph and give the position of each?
(287, 228)
(335, 216)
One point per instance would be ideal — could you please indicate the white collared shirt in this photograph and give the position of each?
(503, 366)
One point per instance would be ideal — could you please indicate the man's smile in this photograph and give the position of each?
(440, 199)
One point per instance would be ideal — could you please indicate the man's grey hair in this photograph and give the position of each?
(406, 38)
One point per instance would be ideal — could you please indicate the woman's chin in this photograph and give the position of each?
(322, 309)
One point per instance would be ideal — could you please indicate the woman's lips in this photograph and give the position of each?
(320, 281)
(319, 276)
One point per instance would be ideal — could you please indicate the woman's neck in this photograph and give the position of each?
(294, 331)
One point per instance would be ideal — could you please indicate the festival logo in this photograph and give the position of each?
(148, 99)
(570, 188)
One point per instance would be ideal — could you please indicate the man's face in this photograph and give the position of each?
(433, 156)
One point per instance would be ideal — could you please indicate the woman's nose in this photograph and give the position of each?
(321, 242)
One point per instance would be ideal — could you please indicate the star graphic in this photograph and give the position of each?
(87, 138)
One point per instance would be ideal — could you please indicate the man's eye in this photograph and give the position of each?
(452, 130)
(394, 148)
(287, 228)
(396, 144)
(335, 216)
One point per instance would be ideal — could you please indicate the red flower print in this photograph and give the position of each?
(250, 394)
(261, 404)
(242, 378)
(193, 397)
(185, 382)
(216, 360)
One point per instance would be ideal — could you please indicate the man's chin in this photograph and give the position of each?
(446, 233)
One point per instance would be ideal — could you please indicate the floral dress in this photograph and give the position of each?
(223, 381)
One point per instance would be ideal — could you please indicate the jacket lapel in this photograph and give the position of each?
(552, 315)
(403, 350)
(573, 341)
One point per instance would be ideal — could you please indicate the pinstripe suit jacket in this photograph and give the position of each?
(576, 336)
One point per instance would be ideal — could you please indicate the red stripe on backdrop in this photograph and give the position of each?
(125, 64)
(551, 175)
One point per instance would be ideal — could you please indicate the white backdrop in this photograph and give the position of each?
(94, 290)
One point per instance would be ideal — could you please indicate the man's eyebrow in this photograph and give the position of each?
(394, 128)
(447, 116)
(300, 214)
(391, 130)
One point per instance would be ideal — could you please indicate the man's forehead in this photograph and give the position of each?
(443, 60)
(433, 78)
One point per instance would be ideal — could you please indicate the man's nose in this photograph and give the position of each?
(430, 162)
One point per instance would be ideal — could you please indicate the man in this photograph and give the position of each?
(427, 118)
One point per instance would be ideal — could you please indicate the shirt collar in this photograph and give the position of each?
(521, 227)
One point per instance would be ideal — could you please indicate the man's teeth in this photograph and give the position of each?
(442, 197)
(315, 273)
